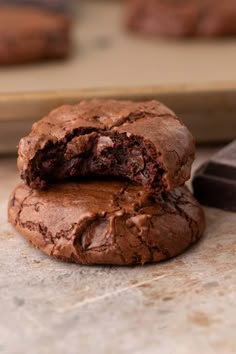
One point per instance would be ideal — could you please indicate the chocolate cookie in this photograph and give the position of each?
(28, 34)
(106, 222)
(183, 17)
(54, 5)
(144, 142)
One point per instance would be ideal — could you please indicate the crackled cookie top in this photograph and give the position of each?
(106, 222)
(141, 141)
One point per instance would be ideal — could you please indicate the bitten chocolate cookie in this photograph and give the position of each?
(144, 142)
(28, 34)
(106, 222)
(182, 18)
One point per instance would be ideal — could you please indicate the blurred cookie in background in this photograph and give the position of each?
(182, 18)
(29, 34)
(54, 5)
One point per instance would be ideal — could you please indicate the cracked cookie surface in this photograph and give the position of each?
(142, 141)
(106, 222)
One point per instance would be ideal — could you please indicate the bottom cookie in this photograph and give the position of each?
(106, 222)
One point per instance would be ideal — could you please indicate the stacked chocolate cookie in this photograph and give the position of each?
(104, 184)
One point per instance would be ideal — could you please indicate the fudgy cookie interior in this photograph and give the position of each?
(87, 151)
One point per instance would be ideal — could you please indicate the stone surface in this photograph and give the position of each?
(187, 305)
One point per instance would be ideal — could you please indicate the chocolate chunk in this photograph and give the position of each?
(185, 18)
(143, 142)
(106, 222)
(30, 34)
(214, 183)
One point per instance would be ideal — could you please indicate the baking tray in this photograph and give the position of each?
(106, 55)
(208, 110)
(186, 75)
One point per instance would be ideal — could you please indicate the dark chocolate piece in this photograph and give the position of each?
(142, 141)
(182, 18)
(214, 183)
(106, 222)
(29, 34)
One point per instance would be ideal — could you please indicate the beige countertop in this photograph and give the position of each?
(183, 306)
